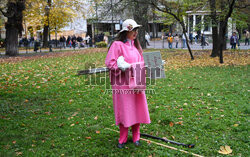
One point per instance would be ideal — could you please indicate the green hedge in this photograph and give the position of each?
(101, 44)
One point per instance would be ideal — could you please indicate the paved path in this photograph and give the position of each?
(159, 45)
(44, 50)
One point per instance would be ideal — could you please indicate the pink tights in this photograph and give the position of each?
(124, 133)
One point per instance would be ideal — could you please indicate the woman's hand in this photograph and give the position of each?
(122, 64)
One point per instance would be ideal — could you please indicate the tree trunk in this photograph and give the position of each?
(223, 28)
(189, 49)
(14, 25)
(216, 42)
(140, 16)
(11, 39)
(45, 36)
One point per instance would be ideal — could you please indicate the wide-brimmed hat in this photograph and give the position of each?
(129, 25)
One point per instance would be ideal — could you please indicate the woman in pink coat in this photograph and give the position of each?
(127, 76)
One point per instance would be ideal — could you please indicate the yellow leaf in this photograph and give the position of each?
(19, 153)
(236, 125)
(225, 150)
(228, 149)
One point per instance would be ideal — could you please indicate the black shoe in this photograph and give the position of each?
(137, 143)
(121, 145)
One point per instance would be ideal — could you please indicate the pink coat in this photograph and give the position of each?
(129, 108)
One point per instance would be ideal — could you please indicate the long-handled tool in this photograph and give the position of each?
(169, 141)
(163, 145)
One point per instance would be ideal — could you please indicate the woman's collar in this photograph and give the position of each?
(128, 41)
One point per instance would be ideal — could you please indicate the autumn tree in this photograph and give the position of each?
(59, 14)
(221, 11)
(177, 9)
(1, 24)
(13, 11)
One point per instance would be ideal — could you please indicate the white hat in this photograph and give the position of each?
(129, 25)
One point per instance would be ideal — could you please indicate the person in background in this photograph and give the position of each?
(79, 40)
(87, 40)
(203, 40)
(183, 41)
(61, 41)
(73, 40)
(147, 37)
(176, 39)
(191, 37)
(247, 35)
(196, 38)
(69, 44)
(170, 41)
(105, 39)
(233, 40)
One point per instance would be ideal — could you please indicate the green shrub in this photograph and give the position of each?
(101, 44)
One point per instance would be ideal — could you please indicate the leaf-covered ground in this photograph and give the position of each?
(47, 110)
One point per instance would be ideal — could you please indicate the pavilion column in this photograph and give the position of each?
(194, 22)
(202, 23)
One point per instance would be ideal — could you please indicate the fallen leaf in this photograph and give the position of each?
(72, 124)
(14, 142)
(235, 125)
(96, 117)
(19, 153)
(88, 137)
(70, 101)
(173, 137)
(75, 114)
(180, 122)
(171, 124)
(98, 132)
(225, 150)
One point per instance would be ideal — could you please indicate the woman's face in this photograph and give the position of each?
(132, 34)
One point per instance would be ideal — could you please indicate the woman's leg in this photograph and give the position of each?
(123, 134)
(136, 132)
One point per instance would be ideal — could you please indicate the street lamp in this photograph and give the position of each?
(47, 9)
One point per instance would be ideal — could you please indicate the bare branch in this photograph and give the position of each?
(4, 14)
(7, 14)
(230, 10)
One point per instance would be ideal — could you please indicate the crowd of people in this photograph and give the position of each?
(200, 38)
(180, 39)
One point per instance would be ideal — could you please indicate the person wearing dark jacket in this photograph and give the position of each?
(233, 40)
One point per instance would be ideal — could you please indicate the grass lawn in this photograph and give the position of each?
(47, 110)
